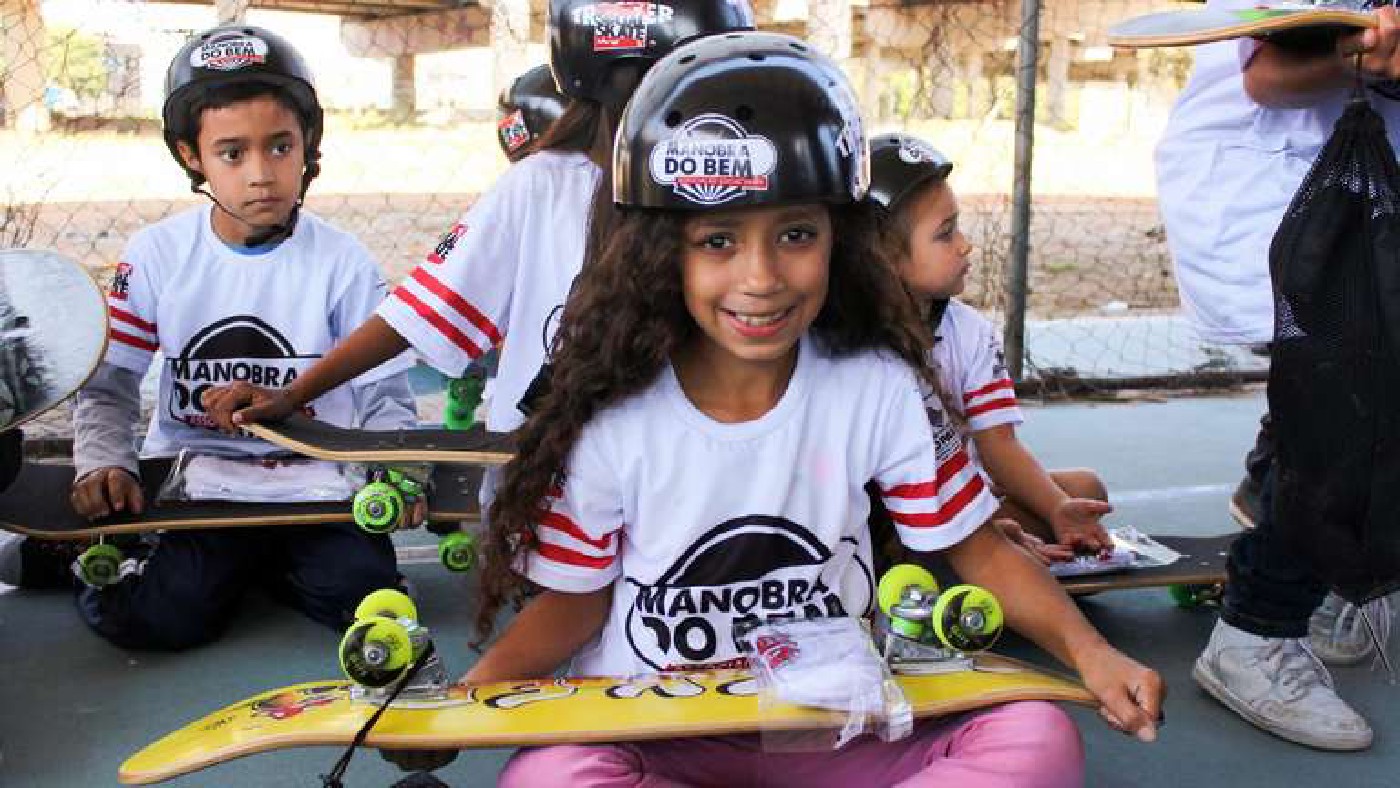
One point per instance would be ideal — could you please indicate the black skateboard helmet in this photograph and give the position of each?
(739, 120)
(526, 110)
(587, 38)
(232, 54)
(899, 163)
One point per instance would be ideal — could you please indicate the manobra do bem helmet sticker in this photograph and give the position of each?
(230, 52)
(621, 26)
(712, 159)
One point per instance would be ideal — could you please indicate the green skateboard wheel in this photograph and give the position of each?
(379, 507)
(458, 551)
(99, 565)
(897, 581)
(967, 618)
(389, 603)
(1189, 596)
(375, 651)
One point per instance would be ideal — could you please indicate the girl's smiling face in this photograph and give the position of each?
(755, 279)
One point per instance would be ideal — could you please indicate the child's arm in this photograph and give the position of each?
(1288, 78)
(241, 403)
(547, 632)
(1017, 472)
(104, 452)
(1039, 609)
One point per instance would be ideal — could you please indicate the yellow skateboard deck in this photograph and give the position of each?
(1206, 25)
(511, 714)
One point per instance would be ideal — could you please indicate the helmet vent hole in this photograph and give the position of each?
(757, 56)
(743, 113)
(687, 59)
(798, 47)
(733, 35)
(673, 119)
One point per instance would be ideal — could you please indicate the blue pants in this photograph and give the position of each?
(1270, 592)
(193, 582)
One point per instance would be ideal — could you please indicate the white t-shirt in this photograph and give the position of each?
(504, 269)
(1226, 170)
(972, 367)
(699, 524)
(219, 316)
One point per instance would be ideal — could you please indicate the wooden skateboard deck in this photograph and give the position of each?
(53, 332)
(328, 442)
(511, 714)
(1205, 25)
(1202, 562)
(37, 504)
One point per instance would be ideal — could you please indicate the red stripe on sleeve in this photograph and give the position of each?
(950, 508)
(990, 405)
(438, 321)
(133, 341)
(564, 555)
(450, 297)
(913, 490)
(563, 524)
(952, 467)
(127, 317)
(996, 385)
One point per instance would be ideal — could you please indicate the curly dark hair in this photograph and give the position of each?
(625, 318)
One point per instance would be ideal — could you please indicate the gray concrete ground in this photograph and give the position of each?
(72, 707)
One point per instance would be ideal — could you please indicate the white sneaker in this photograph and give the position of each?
(1279, 685)
(1338, 635)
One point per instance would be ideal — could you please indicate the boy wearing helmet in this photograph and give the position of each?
(247, 287)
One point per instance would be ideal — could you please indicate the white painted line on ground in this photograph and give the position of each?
(1170, 493)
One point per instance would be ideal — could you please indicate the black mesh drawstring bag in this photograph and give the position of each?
(1334, 386)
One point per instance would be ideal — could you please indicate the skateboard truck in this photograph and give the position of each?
(380, 649)
(381, 507)
(921, 631)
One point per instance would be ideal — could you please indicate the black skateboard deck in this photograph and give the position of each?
(37, 504)
(327, 442)
(1202, 562)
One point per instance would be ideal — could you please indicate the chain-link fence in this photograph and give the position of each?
(410, 87)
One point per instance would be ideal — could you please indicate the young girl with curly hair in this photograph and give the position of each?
(735, 364)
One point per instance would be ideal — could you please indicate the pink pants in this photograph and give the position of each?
(1026, 745)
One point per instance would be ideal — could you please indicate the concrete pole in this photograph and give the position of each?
(829, 28)
(231, 12)
(1057, 82)
(510, 37)
(22, 40)
(404, 90)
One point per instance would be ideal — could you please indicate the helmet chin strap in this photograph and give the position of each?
(263, 234)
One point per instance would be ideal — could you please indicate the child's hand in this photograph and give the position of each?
(1045, 554)
(107, 490)
(1380, 45)
(242, 403)
(1131, 694)
(1077, 527)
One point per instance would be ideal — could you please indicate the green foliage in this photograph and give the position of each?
(77, 61)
